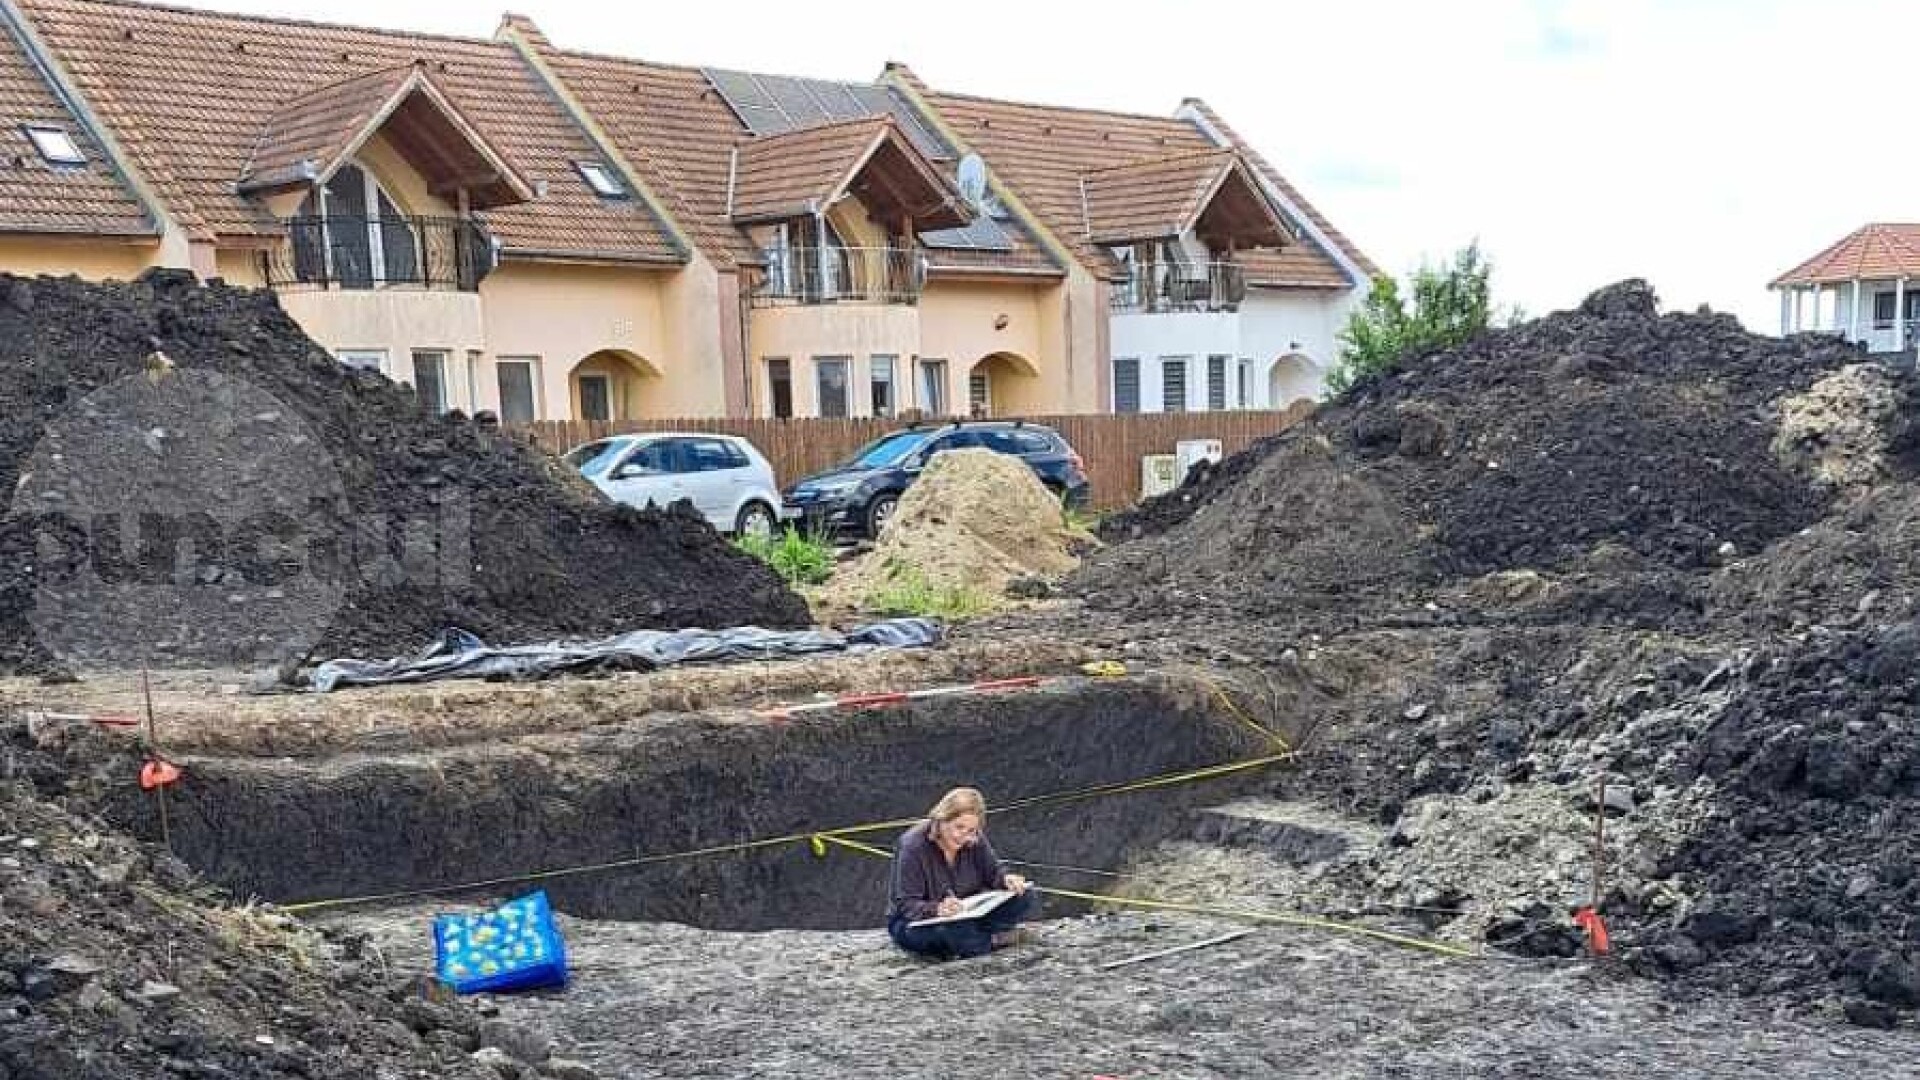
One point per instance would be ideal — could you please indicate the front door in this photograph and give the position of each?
(596, 397)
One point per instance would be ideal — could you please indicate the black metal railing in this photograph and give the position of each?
(378, 252)
(1166, 286)
(841, 275)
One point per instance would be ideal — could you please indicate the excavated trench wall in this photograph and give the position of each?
(293, 831)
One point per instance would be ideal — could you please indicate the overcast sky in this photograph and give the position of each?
(1706, 145)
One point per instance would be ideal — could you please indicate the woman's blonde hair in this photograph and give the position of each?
(961, 800)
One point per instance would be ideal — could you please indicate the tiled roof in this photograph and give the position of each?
(1165, 197)
(188, 93)
(320, 125)
(806, 171)
(36, 196)
(319, 130)
(1042, 152)
(678, 133)
(1872, 251)
(672, 127)
(1272, 176)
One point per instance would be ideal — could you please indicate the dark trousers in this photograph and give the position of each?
(968, 937)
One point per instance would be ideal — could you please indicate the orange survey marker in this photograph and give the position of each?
(158, 773)
(1596, 928)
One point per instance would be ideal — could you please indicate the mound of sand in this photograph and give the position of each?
(974, 522)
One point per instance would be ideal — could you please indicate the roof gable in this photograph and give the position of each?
(1208, 191)
(1042, 152)
(807, 171)
(677, 130)
(315, 133)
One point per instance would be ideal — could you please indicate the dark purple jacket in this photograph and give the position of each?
(922, 876)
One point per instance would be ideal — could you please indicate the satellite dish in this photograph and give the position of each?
(972, 174)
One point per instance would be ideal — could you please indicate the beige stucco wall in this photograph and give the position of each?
(805, 332)
(1073, 317)
(957, 325)
(239, 266)
(692, 357)
(564, 313)
(396, 321)
(89, 258)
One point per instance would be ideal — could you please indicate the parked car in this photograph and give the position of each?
(728, 481)
(862, 492)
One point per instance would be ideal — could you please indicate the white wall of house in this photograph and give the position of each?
(1157, 337)
(1830, 310)
(1289, 337)
(1292, 337)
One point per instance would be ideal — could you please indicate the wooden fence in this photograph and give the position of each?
(1111, 446)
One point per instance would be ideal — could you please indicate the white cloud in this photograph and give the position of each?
(1704, 145)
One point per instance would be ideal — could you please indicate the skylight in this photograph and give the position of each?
(56, 146)
(601, 179)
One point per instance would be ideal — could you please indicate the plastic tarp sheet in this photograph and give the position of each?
(516, 946)
(458, 654)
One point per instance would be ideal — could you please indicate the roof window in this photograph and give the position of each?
(601, 179)
(56, 145)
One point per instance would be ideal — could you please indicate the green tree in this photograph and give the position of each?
(1449, 305)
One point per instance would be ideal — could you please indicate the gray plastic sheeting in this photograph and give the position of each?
(458, 654)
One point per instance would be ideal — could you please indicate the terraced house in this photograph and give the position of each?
(552, 234)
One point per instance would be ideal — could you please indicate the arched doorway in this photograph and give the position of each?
(1002, 384)
(1292, 378)
(611, 384)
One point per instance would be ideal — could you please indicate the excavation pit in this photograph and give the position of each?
(370, 825)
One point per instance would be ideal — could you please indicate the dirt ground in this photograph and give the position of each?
(664, 1001)
(1608, 564)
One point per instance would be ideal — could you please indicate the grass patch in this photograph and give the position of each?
(799, 558)
(907, 592)
(1081, 519)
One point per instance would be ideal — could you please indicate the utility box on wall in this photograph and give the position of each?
(1159, 474)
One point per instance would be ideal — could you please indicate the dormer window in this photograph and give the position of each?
(56, 146)
(601, 179)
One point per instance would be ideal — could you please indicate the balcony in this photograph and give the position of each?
(1185, 287)
(335, 252)
(841, 275)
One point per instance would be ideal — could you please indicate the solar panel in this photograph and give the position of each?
(982, 234)
(772, 104)
(793, 96)
(840, 102)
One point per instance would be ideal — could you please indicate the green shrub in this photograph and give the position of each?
(799, 558)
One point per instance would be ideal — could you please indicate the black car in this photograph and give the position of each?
(861, 493)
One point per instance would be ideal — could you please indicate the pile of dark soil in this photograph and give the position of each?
(115, 962)
(1807, 870)
(1606, 544)
(1606, 432)
(522, 550)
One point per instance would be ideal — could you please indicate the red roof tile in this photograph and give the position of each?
(679, 134)
(187, 93)
(806, 171)
(1874, 251)
(37, 196)
(1042, 152)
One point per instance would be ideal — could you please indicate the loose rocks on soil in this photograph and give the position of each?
(1607, 545)
(515, 548)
